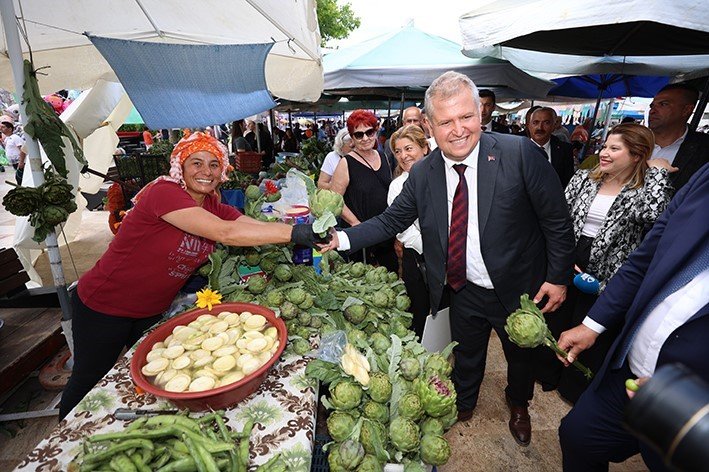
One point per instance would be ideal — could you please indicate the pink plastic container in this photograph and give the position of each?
(218, 398)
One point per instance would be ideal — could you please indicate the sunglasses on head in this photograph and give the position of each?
(360, 134)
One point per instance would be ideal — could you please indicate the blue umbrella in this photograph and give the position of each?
(608, 86)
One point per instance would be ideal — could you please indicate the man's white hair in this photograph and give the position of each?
(448, 85)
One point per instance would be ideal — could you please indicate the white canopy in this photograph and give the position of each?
(640, 37)
(55, 31)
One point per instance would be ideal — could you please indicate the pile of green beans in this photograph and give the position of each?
(172, 443)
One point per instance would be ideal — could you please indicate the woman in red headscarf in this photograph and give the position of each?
(173, 227)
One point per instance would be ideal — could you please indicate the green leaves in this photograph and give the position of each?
(323, 224)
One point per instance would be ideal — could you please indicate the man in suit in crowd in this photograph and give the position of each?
(661, 297)
(494, 224)
(669, 112)
(559, 154)
(487, 106)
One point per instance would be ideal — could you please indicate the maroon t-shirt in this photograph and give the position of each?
(149, 260)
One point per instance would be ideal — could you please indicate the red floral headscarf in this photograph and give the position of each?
(188, 145)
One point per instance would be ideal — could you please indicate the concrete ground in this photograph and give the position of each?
(481, 444)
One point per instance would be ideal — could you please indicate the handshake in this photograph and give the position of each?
(304, 235)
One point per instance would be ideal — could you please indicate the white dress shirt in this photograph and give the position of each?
(476, 271)
(669, 152)
(411, 236)
(664, 319)
(547, 149)
(670, 314)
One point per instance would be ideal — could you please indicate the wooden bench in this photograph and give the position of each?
(31, 333)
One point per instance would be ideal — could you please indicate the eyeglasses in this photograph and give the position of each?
(360, 134)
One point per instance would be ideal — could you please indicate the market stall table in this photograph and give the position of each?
(283, 409)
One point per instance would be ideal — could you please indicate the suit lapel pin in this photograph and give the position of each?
(490, 158)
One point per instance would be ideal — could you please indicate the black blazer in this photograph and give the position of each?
(680, 234)
(526, 235)
(691, 156)
(562, 160)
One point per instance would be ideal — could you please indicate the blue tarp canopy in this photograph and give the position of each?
(187, 85)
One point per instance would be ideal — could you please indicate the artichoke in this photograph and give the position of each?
(526, 329)
(410, 407)
(69, 206)
(398, 327)
(357, 269)
(334, 460)
(56, 191)
(315, 322)
(371, 277)
(283, 272)
(346, 395)
(376, 411)
(21, 201)
(435, 450)
(356, 336)
(404, 434)
(393, 277)
(273, 197)
(436, 364)
(370, 464)
(307, 302)
(252, 258)
(256, 284)
(355, 314)
(450, 418)
(437, 395)
(339, 425)
(410, 368)
(380, 299)
(379, 343)
(412, 466)
(54, 215)
(403, 302)
(296, 295)
(324, 200)
(379, 387)
(351, 454)
(274, 298)
(432, 426)
(304, 318)
(372, 436)
(252, 193)
(301, 346)
(288, 310)
(268, 264)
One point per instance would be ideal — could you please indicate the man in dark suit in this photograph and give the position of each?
(661, 297)
(488, 101)
(494, 224)
(669, 112)
(559, 154)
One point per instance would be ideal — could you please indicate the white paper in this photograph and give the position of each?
(437, 331)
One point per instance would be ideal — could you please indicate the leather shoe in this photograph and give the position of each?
(465, 415)
(520, 424)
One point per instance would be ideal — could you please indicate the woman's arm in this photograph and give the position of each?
(243, 231)
(654, 196)
(340, 181)
(324, 180)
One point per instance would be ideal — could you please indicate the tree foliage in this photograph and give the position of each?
(335, 21)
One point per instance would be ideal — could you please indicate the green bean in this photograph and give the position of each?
(122, 463)
(210, 464)
(118, 448)
(201, 467)
(244, 455)
(138, 463)
(274, 464)
(167, 420)
(183, 465)
(233, 456)
(136, 423)
(133, 434)
(212, 446)
(162, 459)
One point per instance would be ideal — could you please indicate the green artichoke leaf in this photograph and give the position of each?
(326, 372)
(215, 259)
(323, 224)
(349, 301)
(448, 350)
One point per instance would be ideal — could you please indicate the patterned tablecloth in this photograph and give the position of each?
(283, 409)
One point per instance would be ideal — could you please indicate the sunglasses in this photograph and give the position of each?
(360, 134)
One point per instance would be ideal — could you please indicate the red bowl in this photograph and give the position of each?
(217, 398)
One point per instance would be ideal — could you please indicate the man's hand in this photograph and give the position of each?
(639, 382)
(399, 248)
(556, 294)
(575, 341)
(333, 243)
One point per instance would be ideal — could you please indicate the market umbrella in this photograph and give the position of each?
(410, 58)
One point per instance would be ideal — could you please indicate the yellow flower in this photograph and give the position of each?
(206, 298)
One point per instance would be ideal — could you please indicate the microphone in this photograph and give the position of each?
(587, 283)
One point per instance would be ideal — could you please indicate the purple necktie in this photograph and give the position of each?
(458, 235)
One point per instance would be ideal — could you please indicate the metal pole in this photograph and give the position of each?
(14, 52)
(607, 123)
(701, 106)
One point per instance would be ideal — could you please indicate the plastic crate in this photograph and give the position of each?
(138, 169)
(319, 462)
(248, 161)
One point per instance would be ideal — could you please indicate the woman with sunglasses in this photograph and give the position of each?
(362, 177)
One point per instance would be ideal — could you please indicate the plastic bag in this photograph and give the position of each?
(332, 345)
(295, 191)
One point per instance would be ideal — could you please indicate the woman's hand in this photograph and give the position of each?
(661, 163)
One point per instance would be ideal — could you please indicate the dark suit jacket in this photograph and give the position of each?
(499, 128)
(562, 160)
(526, 236)
(680, 234)
(691, 156)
